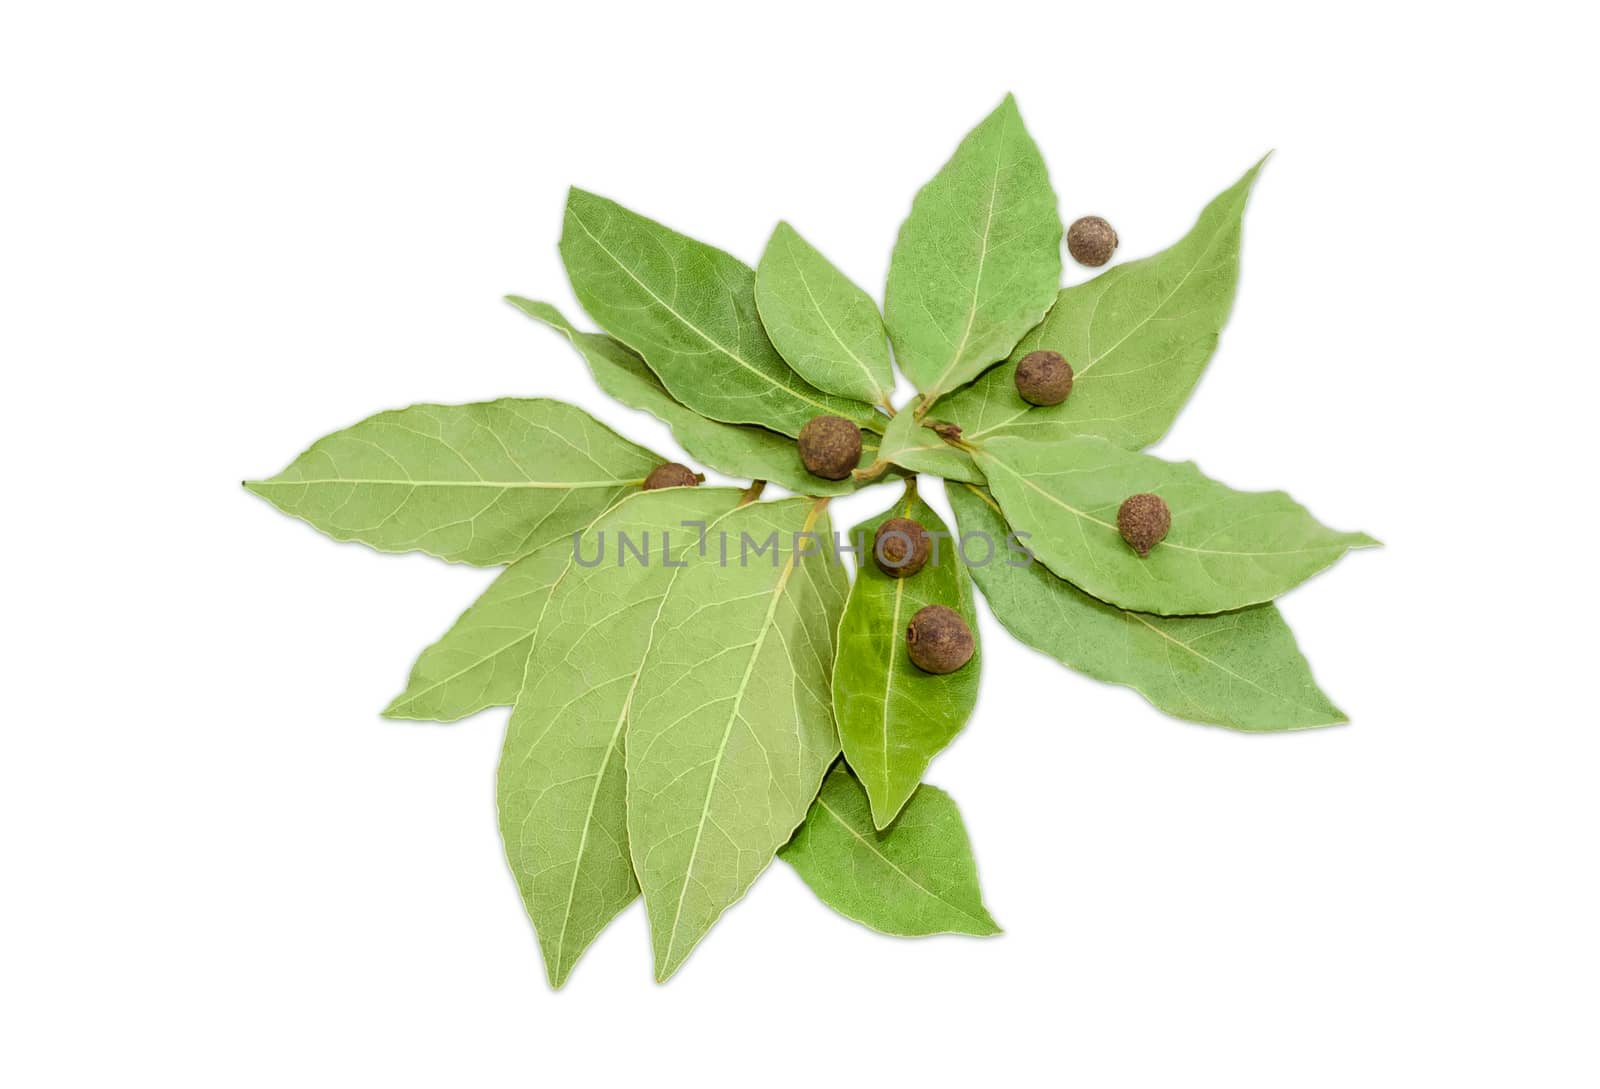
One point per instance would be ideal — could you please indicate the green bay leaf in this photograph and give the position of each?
(561, 789)
(690, 310)
(894, 718)
(482, 483)
(1241, 670)
(739, 450)
(978, 260)
(1226, 549)
(824, 325)
(731, 729)
(480, 661)
(1139, 335)
(916, 878)
(910, 445)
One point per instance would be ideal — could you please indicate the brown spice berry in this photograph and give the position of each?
(1044, 377)
(938, 640)
(1143, 520)
(1091, 241)
(671, 475)
(830, 446)
(901, 547)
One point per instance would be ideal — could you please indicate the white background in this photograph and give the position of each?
(229, 229)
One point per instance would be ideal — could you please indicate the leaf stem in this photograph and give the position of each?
(950, 433)
(871, 472)
(753, 492)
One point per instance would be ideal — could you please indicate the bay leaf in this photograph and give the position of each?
(482, 483)
(480, 661)
(560, 787)
(1226, 549)
(978, 261)
(824, 325)
(917, 877)
(739, 450)
(1242, 670)
(731, 730)
(690, 310)
(1139, 335)
(910, 445)
(894, 718)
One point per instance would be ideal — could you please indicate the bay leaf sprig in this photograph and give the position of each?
(684, 711)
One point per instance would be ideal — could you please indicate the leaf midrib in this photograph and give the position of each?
(977, 284)
(545, 485)
(887, 861)
(910, 503)
(727, 731)
(1089, 330)
(1218, 665)
(788, 245)
(1087, 517)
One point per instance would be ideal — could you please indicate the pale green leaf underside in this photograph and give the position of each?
(1225, 550)
(894, 718)
(690, 310)
(480, 661)
(910, 445)
(481, 483)
(1241, 669)
(739, 450)
(731, 729)
(914, 879)
(825, 326)
(561, 787)
(978, 260)
(1139, 335)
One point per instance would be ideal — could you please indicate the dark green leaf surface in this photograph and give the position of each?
(1226, 549)
(690, 310)
(894, 718)
(978, 260)
(561, 788)
(1139, 336)
(1241, 669)
(825, 326)
(482, 483)
(731, 729)
(738, 450)
(916, 878)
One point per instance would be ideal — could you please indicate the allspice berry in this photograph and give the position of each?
(671, 475)
(1091, 241)
(1044, 377)
(938, 640)
(901, 547)
(830, 446)
(1143, 520)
